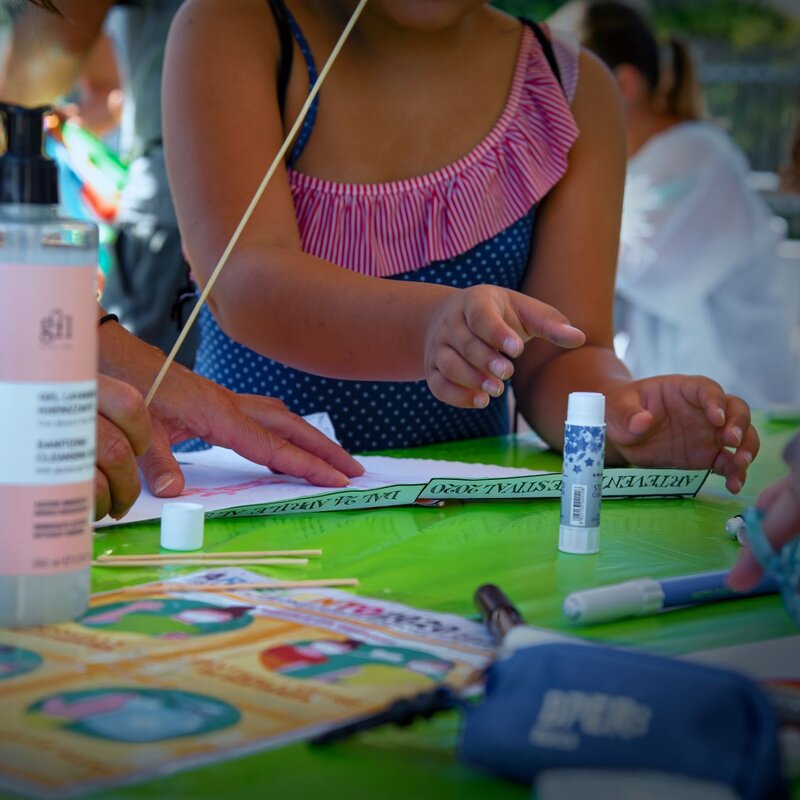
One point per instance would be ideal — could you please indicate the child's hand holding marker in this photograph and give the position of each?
(780, 507)
(686, 422)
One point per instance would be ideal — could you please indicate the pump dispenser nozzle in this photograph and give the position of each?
(27, 175)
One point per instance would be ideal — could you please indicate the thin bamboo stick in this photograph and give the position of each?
(165, 587)
(254, 202)
(205, 562)
(179, 556)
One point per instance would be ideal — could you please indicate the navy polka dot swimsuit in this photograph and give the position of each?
(380, 415)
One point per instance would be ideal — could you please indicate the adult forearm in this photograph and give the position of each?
(125, 357)
(320, 318)
(46, 52)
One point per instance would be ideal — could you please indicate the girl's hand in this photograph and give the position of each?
(682, 421)
(475, 333)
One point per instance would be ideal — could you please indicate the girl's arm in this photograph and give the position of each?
(574, 257)
(670, 421)
(222, 128)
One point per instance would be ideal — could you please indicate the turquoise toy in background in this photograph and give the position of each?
(91, 179)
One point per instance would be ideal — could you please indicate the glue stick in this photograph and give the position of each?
(582, 474)
(48, 367)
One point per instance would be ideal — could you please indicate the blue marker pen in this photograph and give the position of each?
(646, 596)
(582, 475)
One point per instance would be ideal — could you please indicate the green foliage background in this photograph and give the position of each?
(744, 24)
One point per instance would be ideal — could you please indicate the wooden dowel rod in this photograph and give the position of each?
(205, 562)
(178, 556)
(156, 588)
(279, 156)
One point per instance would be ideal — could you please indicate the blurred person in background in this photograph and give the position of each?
(698, 287)
(790, 171)
(46, 55)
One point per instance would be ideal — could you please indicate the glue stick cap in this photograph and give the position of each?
(586, 408)
(182, 526)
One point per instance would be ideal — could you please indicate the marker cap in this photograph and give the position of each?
(182, 526)
(586, 408)
(582, 541)
(607, 603)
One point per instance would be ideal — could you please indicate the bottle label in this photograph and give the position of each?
(584, 451)
(48, 417)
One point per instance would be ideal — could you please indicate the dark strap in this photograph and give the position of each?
(278, 10)
(547, 47)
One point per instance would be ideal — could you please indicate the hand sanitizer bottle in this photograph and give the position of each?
(48, 381)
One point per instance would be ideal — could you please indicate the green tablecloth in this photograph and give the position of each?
(435, 558)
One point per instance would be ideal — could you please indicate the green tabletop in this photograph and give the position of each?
(435, 558)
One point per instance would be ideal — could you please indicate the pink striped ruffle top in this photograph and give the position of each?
(386, 229)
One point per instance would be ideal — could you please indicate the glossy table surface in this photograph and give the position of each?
(435, 558)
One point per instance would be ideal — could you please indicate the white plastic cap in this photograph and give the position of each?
(608, 603)
(581, 541)
(527, 636)
(182, 526)
(586, 408)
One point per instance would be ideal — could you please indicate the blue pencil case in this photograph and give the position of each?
(575, 706)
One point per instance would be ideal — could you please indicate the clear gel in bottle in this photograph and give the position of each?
(48, 384)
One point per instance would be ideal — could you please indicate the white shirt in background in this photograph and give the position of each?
(698, 281)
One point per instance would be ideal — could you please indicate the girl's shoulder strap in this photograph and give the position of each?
(279, 14)
(547, 47)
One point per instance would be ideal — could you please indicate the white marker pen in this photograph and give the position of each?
(582, 474)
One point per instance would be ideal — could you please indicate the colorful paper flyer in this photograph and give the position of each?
(151, 684)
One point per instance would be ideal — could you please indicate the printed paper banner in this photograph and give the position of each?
(228, 485)
(147, 685)
(617, 482)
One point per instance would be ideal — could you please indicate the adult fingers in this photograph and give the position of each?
(115, 458)
(258, 442)
(271, 415)
(746, 572)
(159, 467)
(781, 523)
(771, 493)
(102, 495)
(279, 455)
(123, 405)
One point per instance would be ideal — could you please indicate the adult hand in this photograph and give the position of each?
(475, 333)
(123, 433)
(780, 504)
(186, 405)
(259, 428)
(682, 421)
